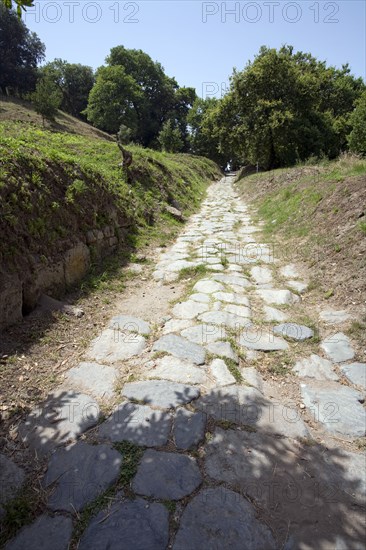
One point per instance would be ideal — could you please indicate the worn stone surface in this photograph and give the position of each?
(168, 476)
(11, 479)
(289, 271)
(176, 370)
(241, 311)
(63, 416)
(221, 373)
(180, 347)
(204, 334)
(129, 323)
(355, 373)
(207, 286)
(273, 314)
(98, 380)
(252, 376)
(219, 518)
(200, 297)
(294, 331)
(279, 297)
(128, 524)
(338, 348)
(231, 297)
(189, 428)
(333, 317)
(232, 279)
(315, 367)
(44, 533)
(261, 339)
(81, 473)
(223, 349)
(189, 309)
(246, 406)
(224, 318)
(261, 275)
(299, 286)
(176, 325)
(11, 300)
(160, 393)
(137, 423)
(76, 263)
(337, 407)
(348, 473)
(113, 346)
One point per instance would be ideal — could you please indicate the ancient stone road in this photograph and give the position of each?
(227, 464)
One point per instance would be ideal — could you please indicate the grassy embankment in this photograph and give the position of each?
(315, 214)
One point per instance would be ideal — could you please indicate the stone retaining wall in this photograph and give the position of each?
(19, 292)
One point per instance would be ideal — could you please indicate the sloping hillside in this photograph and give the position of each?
(316, 214)
(66, 203)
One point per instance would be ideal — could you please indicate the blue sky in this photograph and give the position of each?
(197, 42)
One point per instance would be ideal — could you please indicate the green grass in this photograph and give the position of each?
(55, 187)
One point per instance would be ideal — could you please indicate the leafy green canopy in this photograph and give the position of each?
(357, 137)
(21, 52)
(133, 90)
(21, 5)
(282, 108)
(74, 82)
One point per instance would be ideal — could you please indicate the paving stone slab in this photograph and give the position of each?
(189, 428)
(11, 479)
(261, 339)
(224, 318)
(273, 314)
(160, 393)
(333, 317)
(261, 274)
(129, 323)
(337, 407)
(180, 347)
(81, 472)
(128, 524)
(43, 534)
(233, 298)
(279, 297)
(315, 367)
(218, 518)
(355, 373)
(63, 416)
(204, 334)
(294, 331)
(207, 286)
(231, 279)
(338, 348)
(178, 265)
(289, 271)
(347, 472)
(98, 380)
(169, 476)
(176, 370)
(137, 423)
(113, 346)
(176, 325)
(252, 376)
(240, 311)
(189, 309)
(246, 406)
(223, 349)
(200, 297)
(221, 373)
(299, 286)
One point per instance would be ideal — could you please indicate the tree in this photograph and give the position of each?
(20, 5)
(204, 130)
(75, 81)
(170, 138)
(284, 107)
(113, 100)
(357, 137)
(47, 99)
(20, 53)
